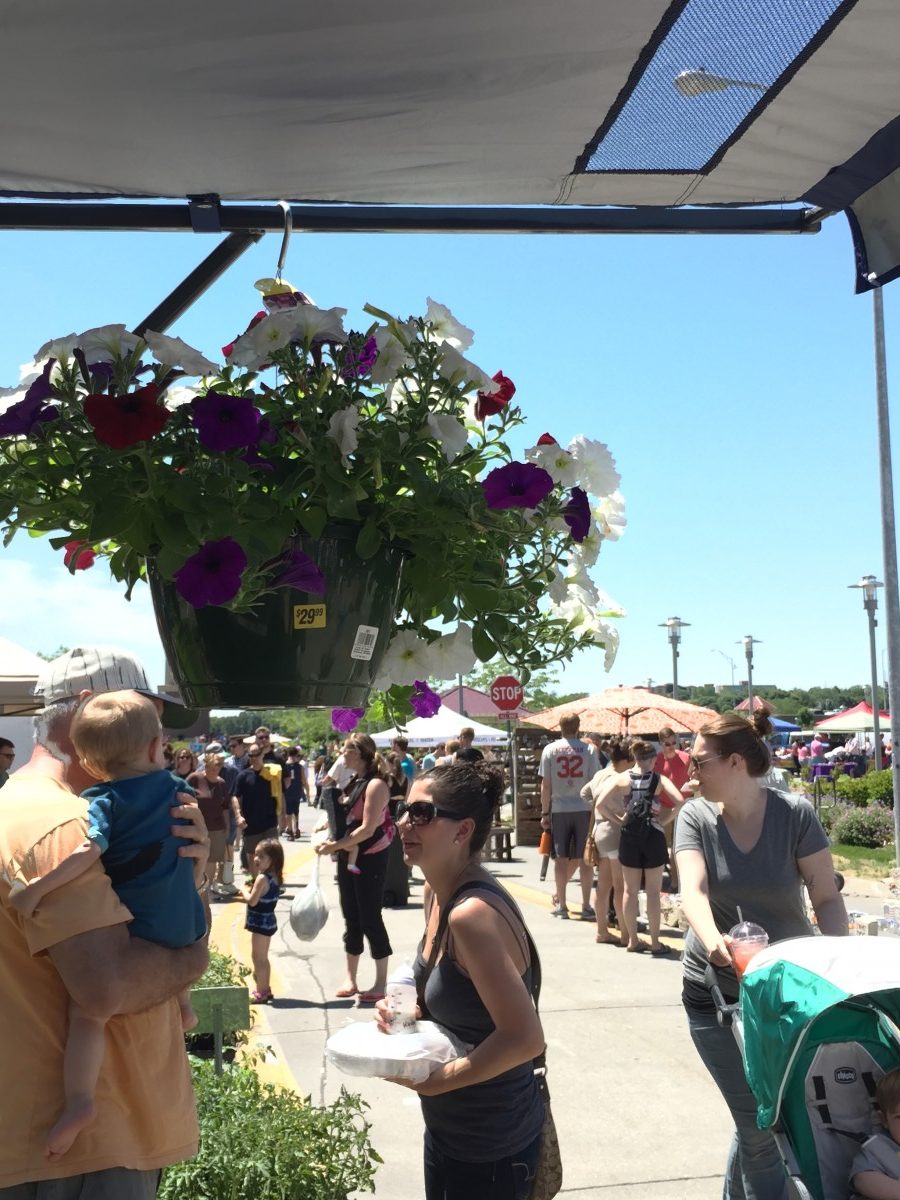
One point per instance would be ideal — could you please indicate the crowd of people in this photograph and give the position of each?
(112, 845)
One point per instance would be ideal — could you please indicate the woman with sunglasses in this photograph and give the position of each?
(744, 853)
(370, 830)
(185, 762)
(483, 1112)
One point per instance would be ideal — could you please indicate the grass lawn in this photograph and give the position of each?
(860, 860)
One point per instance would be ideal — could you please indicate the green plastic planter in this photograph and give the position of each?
(294, 650)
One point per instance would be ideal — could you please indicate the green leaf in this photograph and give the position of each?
(369, 540)
(482, 643)
(313, 519)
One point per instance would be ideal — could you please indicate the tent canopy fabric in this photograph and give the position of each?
(654, 104)
(859, 719)
(478, 704)
(631, 711)
(19, 670)
(782, 726)
(444, 725)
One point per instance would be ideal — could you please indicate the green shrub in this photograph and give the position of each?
(260, 1142)
(871, 827)
(853, 791)
(881, 787)
(830, 814)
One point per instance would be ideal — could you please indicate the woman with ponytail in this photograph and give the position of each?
(744, 853)
(474, 973)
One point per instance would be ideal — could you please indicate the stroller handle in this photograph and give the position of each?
(725, 1012)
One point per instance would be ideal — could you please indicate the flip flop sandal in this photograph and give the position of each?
(346, 993)
(261, 997)
(641, 948)
(370, 997)
(661, 952)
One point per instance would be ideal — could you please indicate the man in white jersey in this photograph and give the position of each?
(566, 766)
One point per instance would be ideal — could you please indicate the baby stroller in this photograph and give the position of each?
(818, 1025)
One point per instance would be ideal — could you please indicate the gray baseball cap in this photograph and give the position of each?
(106, 669)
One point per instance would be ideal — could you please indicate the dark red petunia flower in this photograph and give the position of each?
(488, 405)
(79, 555)
(123, 421)
(547, 439)
(226, 350)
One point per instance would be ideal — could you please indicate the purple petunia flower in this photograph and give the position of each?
(359, 361)
(25, 416)
(213, 574)
(425, 702)
(300, 572)
(345, 720)
(225, 422)
(97, 373)
(517, 485)
(577, 514)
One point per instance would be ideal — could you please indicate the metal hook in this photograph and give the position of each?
(288, 229)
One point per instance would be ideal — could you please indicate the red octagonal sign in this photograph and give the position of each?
(507, 693)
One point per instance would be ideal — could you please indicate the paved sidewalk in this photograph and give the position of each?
(637, 1115)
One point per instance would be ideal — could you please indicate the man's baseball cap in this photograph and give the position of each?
(106, 669)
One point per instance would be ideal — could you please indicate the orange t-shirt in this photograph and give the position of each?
(146, 1115)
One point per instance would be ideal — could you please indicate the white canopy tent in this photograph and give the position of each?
(19, 670)
(444, 725)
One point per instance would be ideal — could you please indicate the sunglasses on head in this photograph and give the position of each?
(423, 812)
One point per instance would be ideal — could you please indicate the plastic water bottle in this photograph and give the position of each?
(400, 994)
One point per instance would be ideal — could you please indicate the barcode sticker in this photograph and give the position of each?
(364, 642)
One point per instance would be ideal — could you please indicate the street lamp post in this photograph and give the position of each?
(730, 661)
(869, 586)
(674, 626)
(748, 643)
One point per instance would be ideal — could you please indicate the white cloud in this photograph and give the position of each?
(42, 607)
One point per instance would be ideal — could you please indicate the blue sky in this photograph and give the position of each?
(731, 377)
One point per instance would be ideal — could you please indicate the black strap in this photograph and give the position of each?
(822, 1108)
(536, 977)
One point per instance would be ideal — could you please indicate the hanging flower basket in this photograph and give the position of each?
(294, 648)
(226, 496)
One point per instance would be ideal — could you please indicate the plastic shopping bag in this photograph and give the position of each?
(309, 912)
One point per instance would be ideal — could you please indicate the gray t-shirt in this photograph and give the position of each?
(880, 1153)
(766, 883)
(569, 764)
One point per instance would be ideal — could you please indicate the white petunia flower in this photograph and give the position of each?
(106, 342)
(456, 369)
(585, 553)
(596, 466)
(407, 659)
(557, 590)
(452, 654)
(393, 356)
(446, 326)
(310, 322)
(610, 516)
(177, 397)
(449, 432)
(343, 429)
(60, 347)
(557, 462)
(173, 352)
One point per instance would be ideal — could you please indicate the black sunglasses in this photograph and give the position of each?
(255, 754)
(423, 812)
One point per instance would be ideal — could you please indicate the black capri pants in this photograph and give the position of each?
(361, 899)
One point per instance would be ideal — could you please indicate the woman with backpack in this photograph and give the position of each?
(651, 801)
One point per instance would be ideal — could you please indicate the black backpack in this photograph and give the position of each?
(639, 810)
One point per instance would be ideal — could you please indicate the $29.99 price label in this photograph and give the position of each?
(309, 616)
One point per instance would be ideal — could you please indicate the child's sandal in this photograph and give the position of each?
(261, 997)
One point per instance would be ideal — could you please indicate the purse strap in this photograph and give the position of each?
(540, 1062)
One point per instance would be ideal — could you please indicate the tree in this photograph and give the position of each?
(60, 650)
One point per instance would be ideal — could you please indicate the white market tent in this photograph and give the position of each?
(444, 725)
(19, 670)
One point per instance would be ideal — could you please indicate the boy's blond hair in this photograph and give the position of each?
(112, 731)
(887, 1092)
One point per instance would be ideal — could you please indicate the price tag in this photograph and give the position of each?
(364, 642)
(309, 616)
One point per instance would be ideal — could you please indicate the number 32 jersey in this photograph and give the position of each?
(569, 764)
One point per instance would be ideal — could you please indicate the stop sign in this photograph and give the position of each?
(507, 693)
